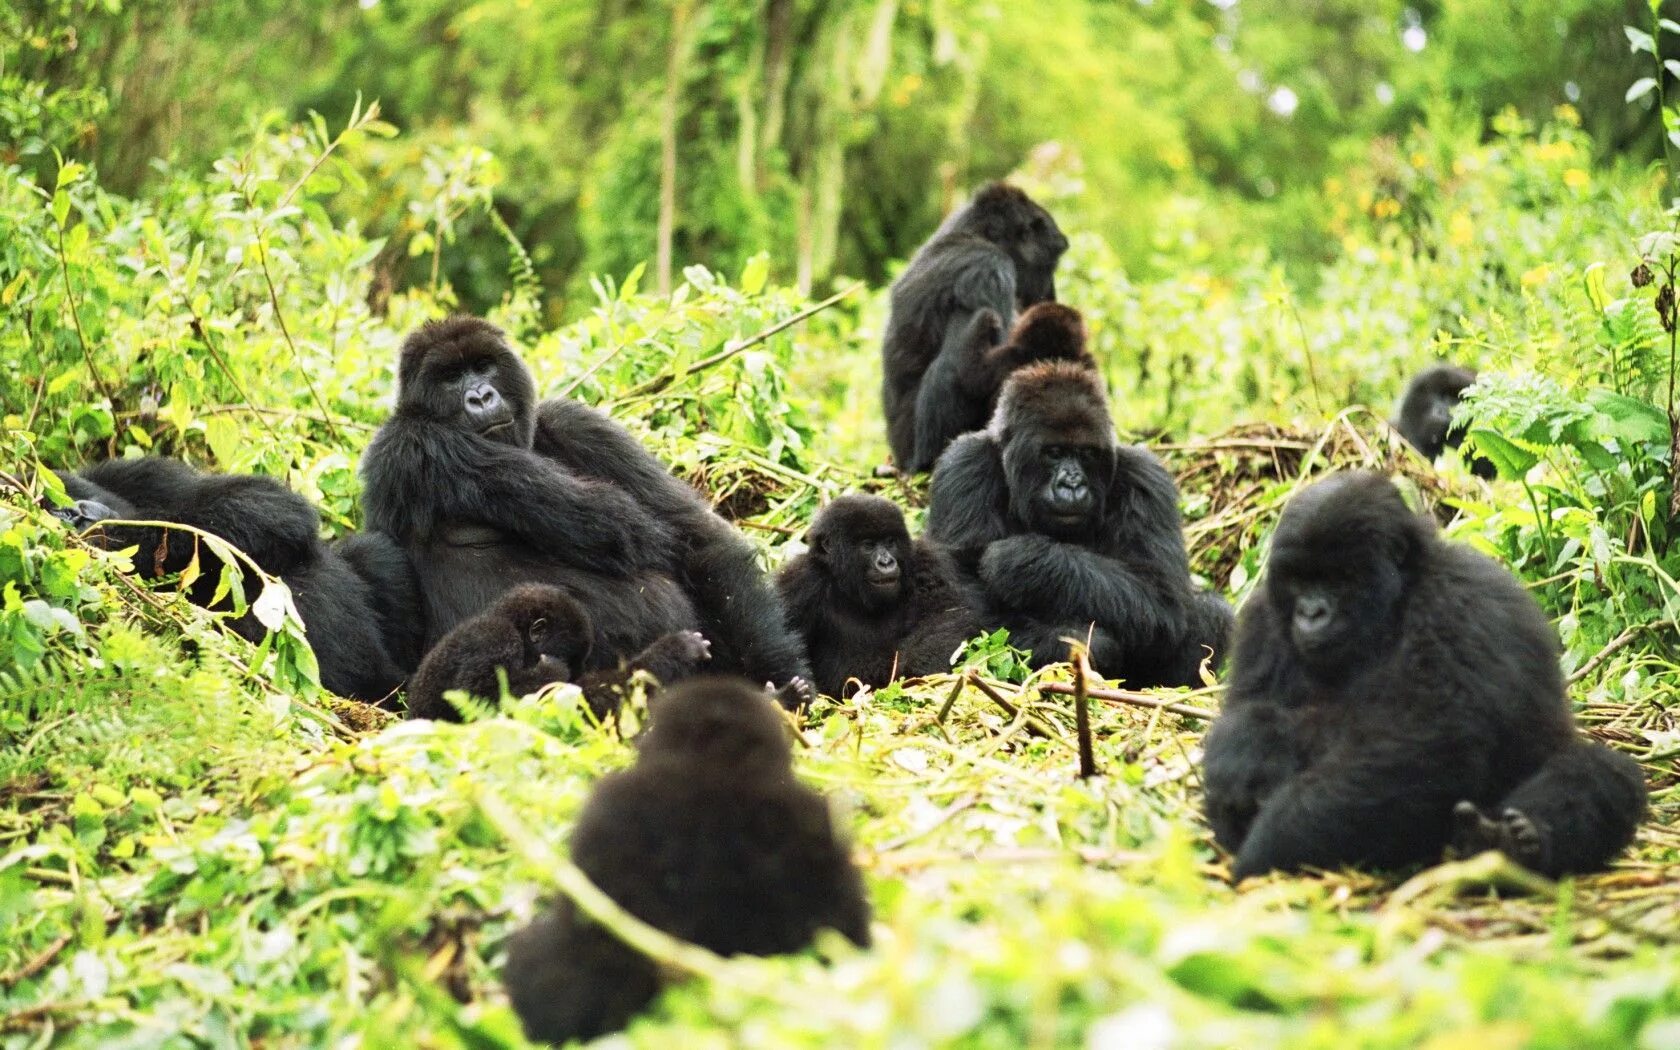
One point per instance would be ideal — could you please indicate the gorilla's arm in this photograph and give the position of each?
(1248, 753)
(466, 659)
(669, 659)
(260, 516)
(740, 611)
(968, 502)
(419, 476)
(1051, 580)
(953, 395)
(803, 592)
(967, 297)
(1382, 796)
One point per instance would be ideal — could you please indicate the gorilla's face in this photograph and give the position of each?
(1340, 563)
(1067, 482)
(83, 513)
(478, 385)
(1426, 415)
(869, 567)
(546, 647)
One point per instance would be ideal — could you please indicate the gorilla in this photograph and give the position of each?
(1391, 693)
(536, 635)
(871, 603)
(1425, 416)
(1068, 534)
(949, 310)
(487, 488)
(708, 837)
(358, 598)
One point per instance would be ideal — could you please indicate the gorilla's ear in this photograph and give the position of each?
(819, 545)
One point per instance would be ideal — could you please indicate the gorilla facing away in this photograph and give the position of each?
(708, 837)
(357, 598)
(950, 309)
(1067, 533)
(537, 635)
(487, 488)
(1390, 694)
(1425, 416)
(871, 603)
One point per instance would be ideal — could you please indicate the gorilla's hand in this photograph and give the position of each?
(83, 513)
(1008, 561)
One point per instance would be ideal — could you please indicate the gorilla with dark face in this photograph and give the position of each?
(1390, 694)
(1425, 418)
(1067, 533)
(708, 837)
(487, 489)
(871, 603)
(941, 362)
(357, 597)
(537, 635)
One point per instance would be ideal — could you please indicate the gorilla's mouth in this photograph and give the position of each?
(494, 429)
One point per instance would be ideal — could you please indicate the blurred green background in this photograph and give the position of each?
(831, 134)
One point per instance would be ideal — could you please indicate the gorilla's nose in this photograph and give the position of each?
(483, 399)
(1312, 614)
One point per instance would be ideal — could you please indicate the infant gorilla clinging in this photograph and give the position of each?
(537, 634)
(708, 837)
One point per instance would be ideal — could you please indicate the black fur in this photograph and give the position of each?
(710, 838)
(487, 488)
(356, 598)
(941, 360)
(1426, 412)
(537, 635)
(870, 602)
(1391, 692)
(1067, 533)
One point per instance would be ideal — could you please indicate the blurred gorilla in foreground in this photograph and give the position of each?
(1390, 694)
(708, 837)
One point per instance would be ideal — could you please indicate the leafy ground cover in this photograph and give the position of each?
(197, 848)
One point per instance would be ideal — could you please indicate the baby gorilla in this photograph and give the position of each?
(1387, 690)
(537, 635)
(870, 602)
(708, 837)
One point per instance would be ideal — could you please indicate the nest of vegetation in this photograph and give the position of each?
(1234, 484)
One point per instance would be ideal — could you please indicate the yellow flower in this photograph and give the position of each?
(1568, 114)
(1387, 208)
(1539, 275)
(1559, 149)
(1460, 230)
(1575, 178)
(1419, 160)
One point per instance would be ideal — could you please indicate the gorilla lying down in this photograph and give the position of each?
(357, 597)
(708, 837)
(537, 635)
(1391, 694)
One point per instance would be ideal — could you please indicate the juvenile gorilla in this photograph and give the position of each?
(357, 598)
(1426, 414)
(870, 602)
(487, 488)
(708, 837)
(950, 308)
(1391, 693)
(1067, 533)
(536, 634)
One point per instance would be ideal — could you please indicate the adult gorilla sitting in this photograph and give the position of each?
(1067, 533)
(488, 489)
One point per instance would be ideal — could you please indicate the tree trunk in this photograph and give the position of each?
(676, 59)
